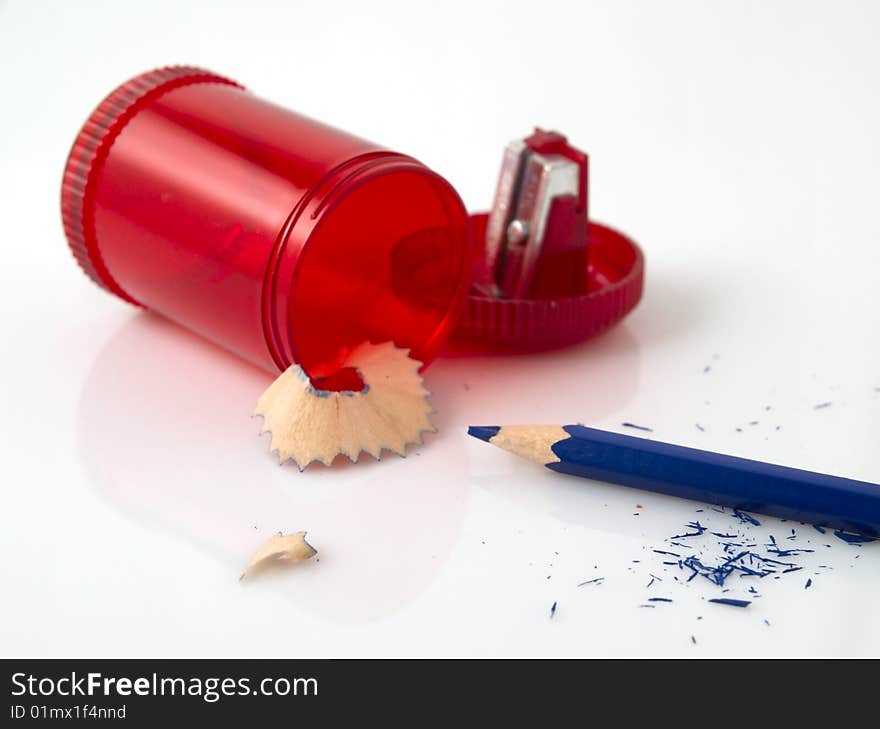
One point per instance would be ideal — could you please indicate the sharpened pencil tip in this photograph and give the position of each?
(483, 432)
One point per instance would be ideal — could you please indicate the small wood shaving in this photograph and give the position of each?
(282, 548)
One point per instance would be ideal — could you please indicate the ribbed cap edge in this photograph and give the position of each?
(560, 321)
(90, 149)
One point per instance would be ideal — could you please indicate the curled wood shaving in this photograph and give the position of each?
(391, 412)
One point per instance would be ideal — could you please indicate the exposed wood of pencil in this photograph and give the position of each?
(530, 441)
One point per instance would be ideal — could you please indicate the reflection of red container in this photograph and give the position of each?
(273, 235)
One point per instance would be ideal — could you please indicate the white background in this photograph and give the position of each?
(736, 141)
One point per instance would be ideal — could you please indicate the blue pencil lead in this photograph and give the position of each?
(484, 432)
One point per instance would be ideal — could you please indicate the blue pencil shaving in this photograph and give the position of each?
(700, 530)
(773, 548)
(852, 538)
(741, 558)
(731, 601)
(720, 554)
(638, 427)
(818, 529)
(700, 427)
(822, 405)
(770, 560)
(552, 610)
(746, 518)
(741, 563)
(749, 572)
(596, 581)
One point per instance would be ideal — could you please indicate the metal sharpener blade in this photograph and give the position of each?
(527, 185)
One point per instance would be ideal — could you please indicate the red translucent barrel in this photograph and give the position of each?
(278, 237)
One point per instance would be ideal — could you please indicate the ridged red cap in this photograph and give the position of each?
(90, 150)
(615, 280)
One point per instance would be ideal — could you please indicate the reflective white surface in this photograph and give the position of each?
(737, 144)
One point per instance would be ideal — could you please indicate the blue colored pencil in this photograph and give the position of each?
(789, 493)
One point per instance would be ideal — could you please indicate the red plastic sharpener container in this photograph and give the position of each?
(275, 236)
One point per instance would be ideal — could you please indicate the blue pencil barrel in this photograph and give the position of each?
(789, 493)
